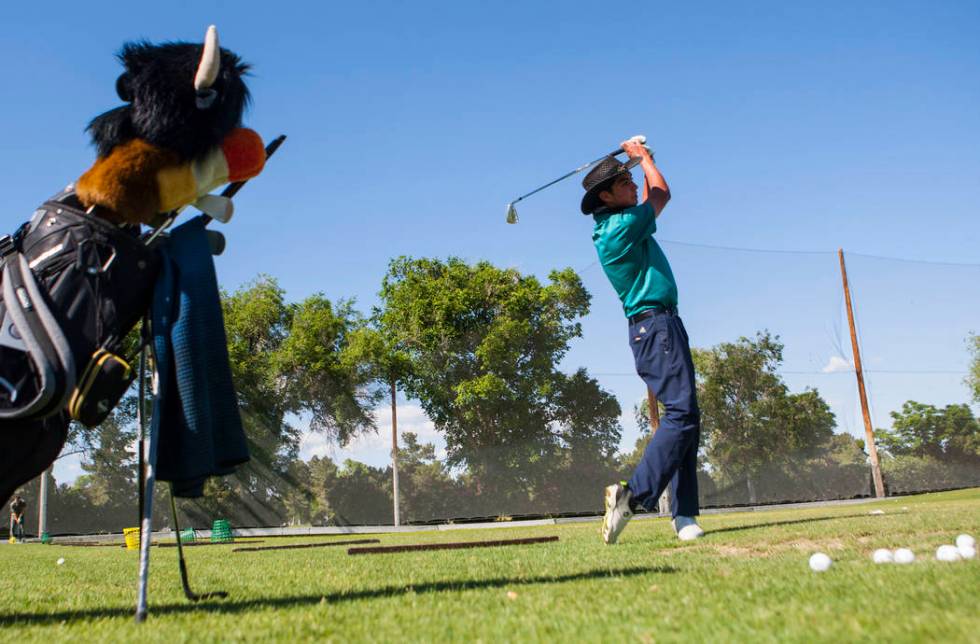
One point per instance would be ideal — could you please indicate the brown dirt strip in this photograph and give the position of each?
(449, 546)
(191, 544)
(307, 545)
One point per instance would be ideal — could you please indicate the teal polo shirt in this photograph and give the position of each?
(633, 260)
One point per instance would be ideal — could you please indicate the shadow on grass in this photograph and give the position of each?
(233, 607)
(775, 524)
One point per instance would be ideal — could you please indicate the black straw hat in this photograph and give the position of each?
(594, 182)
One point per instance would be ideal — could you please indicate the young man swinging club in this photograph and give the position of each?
(638, 270)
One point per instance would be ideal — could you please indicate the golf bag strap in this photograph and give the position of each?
(42, 335)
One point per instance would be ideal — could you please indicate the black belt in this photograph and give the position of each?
(649, 313)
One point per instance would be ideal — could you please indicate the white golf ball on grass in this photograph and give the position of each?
(904, 556)
(883, 555)
(61, 560)
(819, 562)
(965, 541)
(947, 553)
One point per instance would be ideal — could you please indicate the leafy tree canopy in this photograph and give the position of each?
(484, 344)
(973, 379)
(951, 433)
(749, 417)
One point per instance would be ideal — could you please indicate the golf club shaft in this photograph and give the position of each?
(232, 189)
(565, 176)
(180, 550)
(140, 418)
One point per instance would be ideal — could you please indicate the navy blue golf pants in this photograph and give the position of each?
(663, 360)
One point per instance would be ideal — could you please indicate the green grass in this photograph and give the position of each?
(747, 580)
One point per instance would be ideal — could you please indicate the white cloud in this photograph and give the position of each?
(837, 364)
(411, 418)
(373, 448)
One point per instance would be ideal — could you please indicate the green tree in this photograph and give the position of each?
(587, 417)
(948, 434)
(350, 495)
(293, 358)
(326, 372)
(109, 464)
(588, 431)
(484, 343)
(751, 424)
(385, 367)
(323, 476)
(427, 489)
(297, 494)
(845, 449)
(288, 360)
(973, 379)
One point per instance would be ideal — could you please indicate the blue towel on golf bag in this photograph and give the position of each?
(195, 411)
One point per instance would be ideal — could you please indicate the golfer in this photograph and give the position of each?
(17, 507)
(641, 275)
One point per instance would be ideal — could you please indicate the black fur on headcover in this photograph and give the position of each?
(158, 86)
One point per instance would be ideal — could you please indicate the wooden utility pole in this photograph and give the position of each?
(654, 425)
(394, 450)
(868, 431)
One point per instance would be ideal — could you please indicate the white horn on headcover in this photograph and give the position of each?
(207, 70)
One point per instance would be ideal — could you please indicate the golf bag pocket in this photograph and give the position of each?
(101, 385)
(72, 284)
(37, 378)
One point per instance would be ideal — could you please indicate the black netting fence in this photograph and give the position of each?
(782, 419)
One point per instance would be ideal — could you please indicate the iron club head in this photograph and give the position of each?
(511, 214)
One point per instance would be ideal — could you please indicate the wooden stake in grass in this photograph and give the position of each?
(307, 545)
(449, 546)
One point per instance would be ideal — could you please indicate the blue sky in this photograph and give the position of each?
(778, 126)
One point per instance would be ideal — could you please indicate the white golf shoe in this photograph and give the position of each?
(687, 528)
(618, 512)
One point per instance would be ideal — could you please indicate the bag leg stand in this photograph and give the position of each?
(148, 458)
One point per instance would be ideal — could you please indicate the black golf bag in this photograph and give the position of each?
(73, 286)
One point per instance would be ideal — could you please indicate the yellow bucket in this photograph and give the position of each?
(132, 536)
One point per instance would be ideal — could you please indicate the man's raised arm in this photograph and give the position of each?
(655, 189)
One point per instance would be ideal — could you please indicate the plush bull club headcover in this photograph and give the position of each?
(177, 137)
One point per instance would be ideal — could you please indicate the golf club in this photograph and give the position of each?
(190, 594)
(512, 211)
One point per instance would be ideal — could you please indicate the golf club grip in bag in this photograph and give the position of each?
(73, 286)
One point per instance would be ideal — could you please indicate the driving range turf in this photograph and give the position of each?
(748, 579)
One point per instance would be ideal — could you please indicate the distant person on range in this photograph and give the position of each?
(639, 272)
(17, 507)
